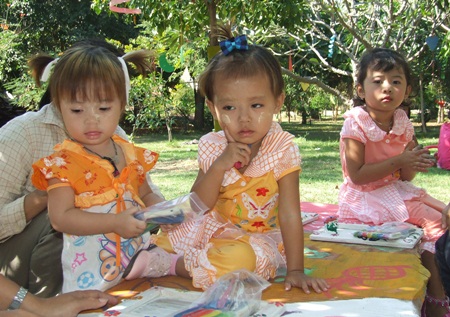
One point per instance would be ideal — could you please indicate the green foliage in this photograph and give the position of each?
(34, 26)
(26, 94)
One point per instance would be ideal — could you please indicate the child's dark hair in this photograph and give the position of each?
(254, 61)
(381, 59)
(86, 68)
(46, 98)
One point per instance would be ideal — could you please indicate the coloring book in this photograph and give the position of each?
(406, 236)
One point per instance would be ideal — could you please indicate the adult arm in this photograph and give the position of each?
(68, 305)
(19, 203)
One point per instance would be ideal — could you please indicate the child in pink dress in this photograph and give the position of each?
(249, 177)
(379, 159)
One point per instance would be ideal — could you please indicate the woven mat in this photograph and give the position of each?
(353, 271)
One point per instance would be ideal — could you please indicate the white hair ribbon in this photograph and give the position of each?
(127, 76)
(47, 70)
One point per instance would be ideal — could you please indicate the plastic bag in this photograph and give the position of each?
(235, 294)
(178, 210)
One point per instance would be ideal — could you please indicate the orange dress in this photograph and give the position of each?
(90, 262)
(242, 231)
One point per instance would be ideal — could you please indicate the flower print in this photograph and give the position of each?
(149, 158)
(48, 162)
(48, 173)
(89, 177)
(139, 169)
(258, 224)
(261, 191)
(59, 161)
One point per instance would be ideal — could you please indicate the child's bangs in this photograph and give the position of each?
(94, 84)
(240, 68)
(90, 90)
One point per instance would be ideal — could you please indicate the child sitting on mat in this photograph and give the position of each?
(249, 177)
(379, 159)
(95, 180)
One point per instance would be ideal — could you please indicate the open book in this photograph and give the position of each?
(168, 302)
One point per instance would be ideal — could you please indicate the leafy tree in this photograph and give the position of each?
(326, 37)
(51, 26)
(339, 31)
(188, 23)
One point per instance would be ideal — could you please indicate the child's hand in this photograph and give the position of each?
(127, 226)
(417, 158)
(168, 227)
(234, 152)
(446, 217)
(301, 280)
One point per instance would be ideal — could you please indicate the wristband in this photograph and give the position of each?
(18, 299)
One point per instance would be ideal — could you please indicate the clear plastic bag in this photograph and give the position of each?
(175, 211)
(235, 294)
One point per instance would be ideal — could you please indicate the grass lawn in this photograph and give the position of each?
(321, 174)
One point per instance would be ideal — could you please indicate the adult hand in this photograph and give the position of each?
(35, 203)
(70, 304)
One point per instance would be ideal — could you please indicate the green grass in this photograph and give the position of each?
(319, 147)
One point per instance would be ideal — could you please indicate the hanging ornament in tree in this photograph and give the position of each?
(305, 86)
(331, 46)
(432, 42)
(164, 64)
(113, 7)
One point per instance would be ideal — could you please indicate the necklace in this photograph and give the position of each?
(389, 125)
(112, 160)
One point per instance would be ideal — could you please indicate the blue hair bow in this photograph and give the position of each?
(238, 43)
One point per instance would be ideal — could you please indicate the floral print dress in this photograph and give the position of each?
(97, 261)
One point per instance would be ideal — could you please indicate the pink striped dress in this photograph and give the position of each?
(389, 198)
(243, 226)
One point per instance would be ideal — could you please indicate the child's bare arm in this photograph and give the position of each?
(362, 173)
(292, 232)
(147, 196)
(65, 217)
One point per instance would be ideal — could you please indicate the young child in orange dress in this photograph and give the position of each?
(379, 159)
(95, 180)
(249, 177)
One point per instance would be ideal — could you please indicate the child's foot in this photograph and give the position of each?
(152, 262)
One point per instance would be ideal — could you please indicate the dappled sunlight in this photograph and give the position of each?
(346, 293)
(124, 293)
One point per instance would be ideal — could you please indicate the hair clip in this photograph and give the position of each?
(238, 43)
(47, 70)
(127, 76)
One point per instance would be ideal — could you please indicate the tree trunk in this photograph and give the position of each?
(422, 106)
